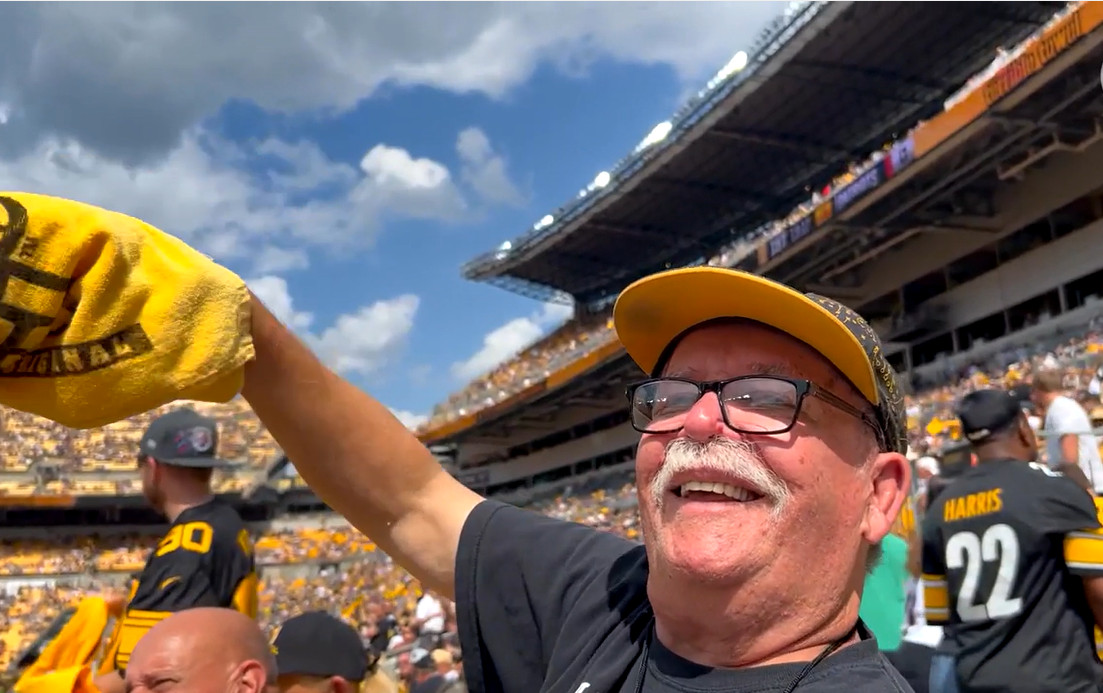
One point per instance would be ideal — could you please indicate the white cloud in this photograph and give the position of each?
(409, 419)
(485, 170)
(126, 80)
(203, 193)
(104, 104)
(416, 188)
(511, 338)
(274, 259)
(273, 293)
(362, 342)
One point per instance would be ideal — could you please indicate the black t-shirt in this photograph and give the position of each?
(1003, 551)
(556, 607)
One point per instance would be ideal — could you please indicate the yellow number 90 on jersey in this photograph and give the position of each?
(192, 536)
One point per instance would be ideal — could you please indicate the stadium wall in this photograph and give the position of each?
(1023, 278)
(1066, 177)
(548, 459)
(1035, 333)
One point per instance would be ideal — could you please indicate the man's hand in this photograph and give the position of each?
(116, 603)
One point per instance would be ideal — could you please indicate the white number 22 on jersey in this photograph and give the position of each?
(966, 550)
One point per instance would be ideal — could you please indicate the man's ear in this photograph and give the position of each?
(252, 678)
(890, 482)
(340, 685)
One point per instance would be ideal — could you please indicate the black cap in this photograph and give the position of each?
(318, 644)
(1021, 394)
(986, 412)
(182, 438)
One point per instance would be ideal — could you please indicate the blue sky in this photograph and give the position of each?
(347, 159)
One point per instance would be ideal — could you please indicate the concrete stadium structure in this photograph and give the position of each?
(982, 221)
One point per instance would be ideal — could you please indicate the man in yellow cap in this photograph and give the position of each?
(770, 467)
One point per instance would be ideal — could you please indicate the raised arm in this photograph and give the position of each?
(357, 456)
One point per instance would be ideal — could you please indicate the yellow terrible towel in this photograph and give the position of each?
(70, 650)
(76, 679)
(103, 316)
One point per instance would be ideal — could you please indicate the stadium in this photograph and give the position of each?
(938, 168)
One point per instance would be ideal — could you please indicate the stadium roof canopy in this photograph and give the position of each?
(826, 84)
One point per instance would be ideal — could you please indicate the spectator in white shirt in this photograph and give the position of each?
(925, 467)
(1070, 442)
(430, 615)
(1095, 387)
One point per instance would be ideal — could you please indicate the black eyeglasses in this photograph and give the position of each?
(755, 404)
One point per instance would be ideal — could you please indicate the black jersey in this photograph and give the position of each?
(1004, 547)
(205, 559)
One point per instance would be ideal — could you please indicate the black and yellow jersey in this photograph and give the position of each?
(1004, 549)
(205, 559)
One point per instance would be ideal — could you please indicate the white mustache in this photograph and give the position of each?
(736, 458)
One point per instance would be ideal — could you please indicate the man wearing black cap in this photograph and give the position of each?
(317, 652)
(205, 558)
(1012, 564)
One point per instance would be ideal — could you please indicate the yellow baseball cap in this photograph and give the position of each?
(654, 312)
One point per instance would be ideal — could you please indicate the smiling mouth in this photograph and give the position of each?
(715, 492)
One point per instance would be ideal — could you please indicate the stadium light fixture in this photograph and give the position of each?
(657, 134)
(545, 221)
(736, 64)
(602, 179)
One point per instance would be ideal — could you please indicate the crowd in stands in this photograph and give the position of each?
(368, 589)
(563, 346)
(26, 440)
(931, 423)
(40, 457)
(127, 552)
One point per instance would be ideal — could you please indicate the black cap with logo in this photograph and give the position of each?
(986, 412)
(183, 438)
(318, 644)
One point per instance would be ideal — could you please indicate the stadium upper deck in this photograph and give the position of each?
(827, 84)
(955, 174)
(1066, 48)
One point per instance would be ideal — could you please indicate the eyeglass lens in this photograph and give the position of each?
(753, 405)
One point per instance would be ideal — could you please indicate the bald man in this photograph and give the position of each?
(201, 650)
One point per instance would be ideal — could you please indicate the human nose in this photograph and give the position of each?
(704, 420)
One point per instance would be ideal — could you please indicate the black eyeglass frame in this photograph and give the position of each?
(804, 388)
